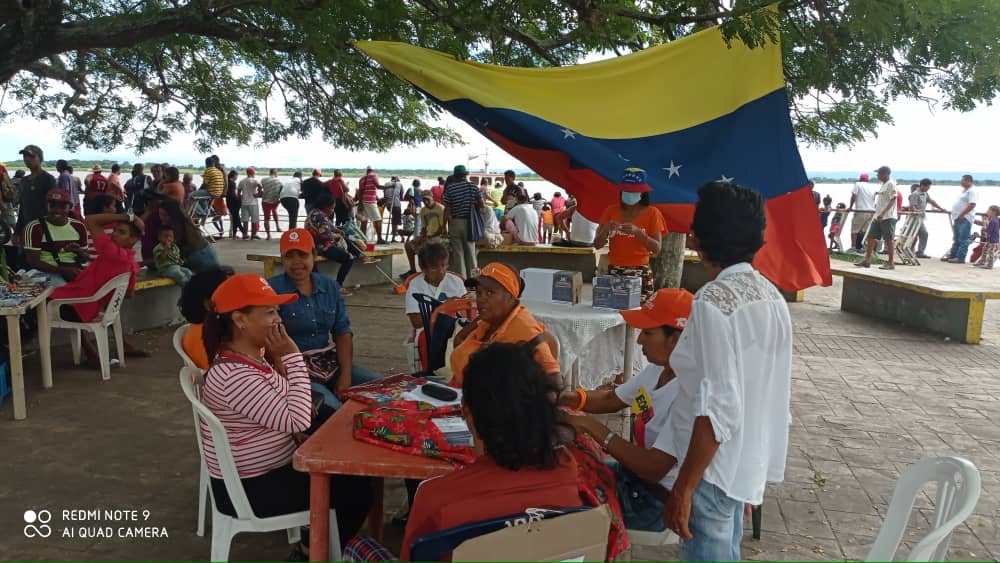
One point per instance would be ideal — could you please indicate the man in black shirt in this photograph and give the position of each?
(32, 190)
(311, 188)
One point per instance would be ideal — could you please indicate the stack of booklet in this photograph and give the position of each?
(455, 431)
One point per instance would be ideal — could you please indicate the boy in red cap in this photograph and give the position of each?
(644, 473)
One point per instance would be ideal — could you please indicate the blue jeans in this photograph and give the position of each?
(201, 260)
(716, 526)
(962, 230)
(359, 376)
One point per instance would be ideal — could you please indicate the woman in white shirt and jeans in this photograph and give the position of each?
(729, 423)
(644, 474)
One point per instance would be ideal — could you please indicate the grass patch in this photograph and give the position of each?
(854, 258)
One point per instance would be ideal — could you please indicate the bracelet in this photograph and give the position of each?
(583, 398)
(607, 440)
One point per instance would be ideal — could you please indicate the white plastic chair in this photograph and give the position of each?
(225, 527)
(111, 316)
(198, 379)
(958, 487)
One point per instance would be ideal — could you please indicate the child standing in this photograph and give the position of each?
(991, 250)
(548, 224)
(836, 225)
(167, 258)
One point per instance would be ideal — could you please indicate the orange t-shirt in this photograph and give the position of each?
(194, 346)
(547, 218)
(174, 190)
(627, 250)
(520, 326)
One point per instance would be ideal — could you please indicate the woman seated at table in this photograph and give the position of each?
(317, 316)
(196, 297)
(501, 318)
(632, 229)
(507, 402)
(644, 473)
(262, 408)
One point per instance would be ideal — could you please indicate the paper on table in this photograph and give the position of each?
(450, 424)
(417, 394)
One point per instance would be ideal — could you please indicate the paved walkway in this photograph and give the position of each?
(868, 399)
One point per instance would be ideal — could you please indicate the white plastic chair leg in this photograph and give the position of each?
(222, 536)
(336, 552)
(101, 336)
(120, 341)
(74, 341)
(203, 493)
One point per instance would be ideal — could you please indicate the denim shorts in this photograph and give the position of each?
(716, 525)
(641, 510)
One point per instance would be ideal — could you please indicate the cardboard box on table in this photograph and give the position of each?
(617, 292)
(581, 536)
(551, 286)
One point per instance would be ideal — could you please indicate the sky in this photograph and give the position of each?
(920, 139)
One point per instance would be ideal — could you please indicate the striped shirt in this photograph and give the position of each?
(368, 185)
(259, 409)
(459, 197)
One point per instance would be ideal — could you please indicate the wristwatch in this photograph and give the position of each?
(607, 440)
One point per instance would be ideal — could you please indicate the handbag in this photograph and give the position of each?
(322, 363)
(477, 229)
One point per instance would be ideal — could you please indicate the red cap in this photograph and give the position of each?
(59, 195)
(667, 307)
(251, 171)
(297, 239)
(247, 290)
(500, 274)
(864, 176)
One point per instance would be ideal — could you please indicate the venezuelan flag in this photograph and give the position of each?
(688, 112)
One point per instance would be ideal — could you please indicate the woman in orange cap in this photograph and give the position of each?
(644, 472)
(502, 318)
(632, 229)
(262, 400)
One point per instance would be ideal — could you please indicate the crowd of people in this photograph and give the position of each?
(713, 415)
(879, 209)
(712, 427)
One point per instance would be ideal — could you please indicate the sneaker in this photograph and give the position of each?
(956, 261)
(406, 274)
(863, 264)
(945, 258)
(922, 255)
(887, 267)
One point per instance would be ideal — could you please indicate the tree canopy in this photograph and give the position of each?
(136, 72)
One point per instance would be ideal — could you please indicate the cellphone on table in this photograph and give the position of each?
(439, 392)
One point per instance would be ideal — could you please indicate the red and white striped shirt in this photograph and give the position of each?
(259, 409)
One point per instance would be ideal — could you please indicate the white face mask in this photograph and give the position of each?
(631, 198)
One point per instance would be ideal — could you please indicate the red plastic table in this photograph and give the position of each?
(334, 450)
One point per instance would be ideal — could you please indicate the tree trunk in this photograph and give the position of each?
(669, 263)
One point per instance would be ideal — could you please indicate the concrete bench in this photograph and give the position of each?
(153, 305)
(951, 311)
(361, 273)
(579, 259)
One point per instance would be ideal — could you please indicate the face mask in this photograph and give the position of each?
(631, 198)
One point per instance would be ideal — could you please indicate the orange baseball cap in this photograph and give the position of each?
(667, 307)
(297, 239)
(498, 273)
(247, 290)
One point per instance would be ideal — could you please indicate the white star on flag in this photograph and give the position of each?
(673, 170)
(725, 178)
(568, 133)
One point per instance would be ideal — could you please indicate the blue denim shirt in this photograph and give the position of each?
(311, 320)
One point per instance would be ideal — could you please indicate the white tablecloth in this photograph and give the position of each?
(596, 337)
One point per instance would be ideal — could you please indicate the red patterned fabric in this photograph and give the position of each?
(384, 390)
(597, 487)
(405, 426)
